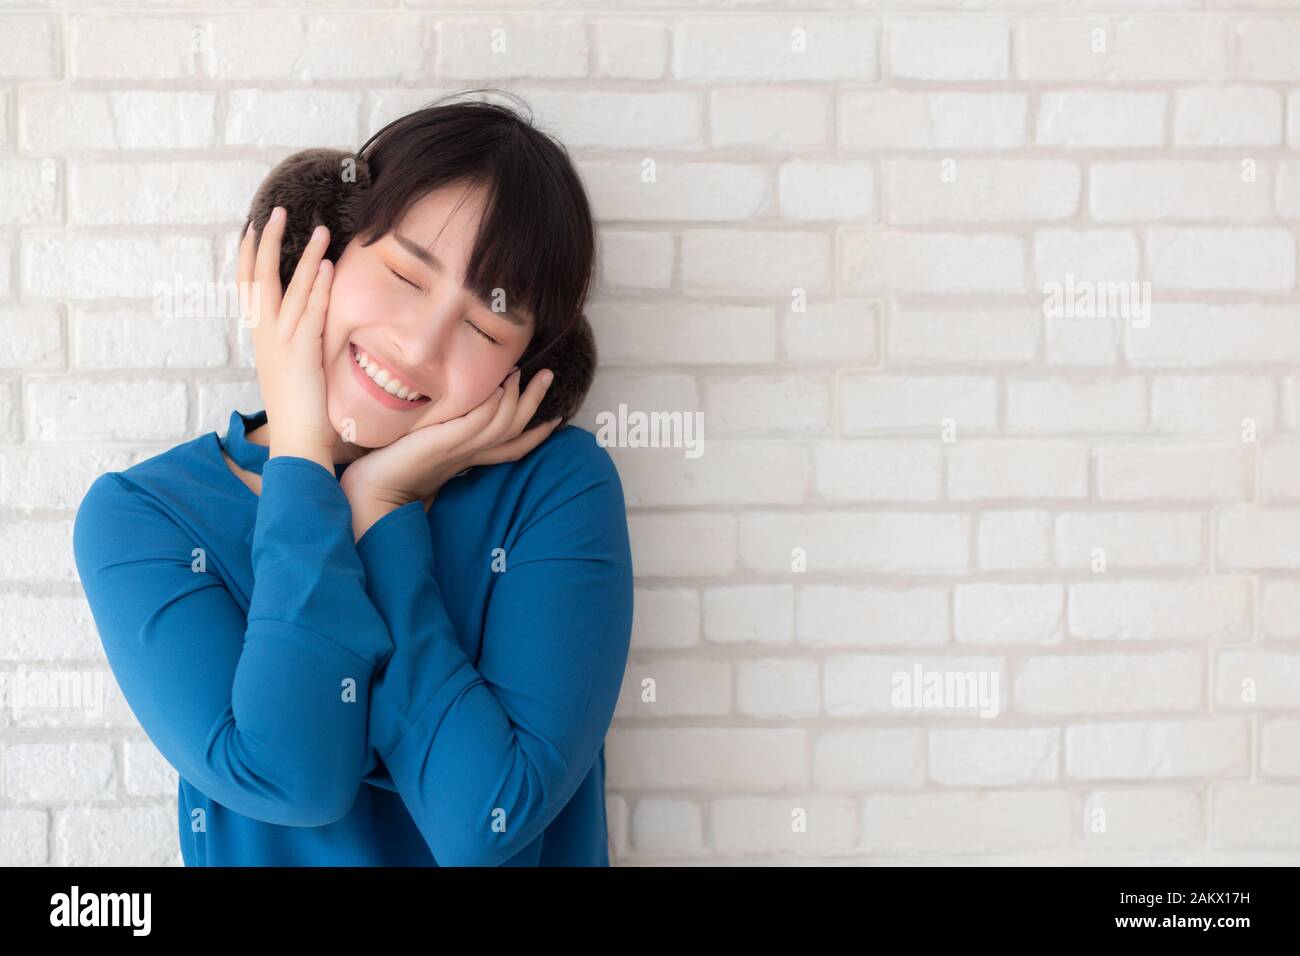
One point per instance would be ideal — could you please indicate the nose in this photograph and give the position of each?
(426, 332)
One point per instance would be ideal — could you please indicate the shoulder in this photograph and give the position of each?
(112, 507)
(140, 503)
(110, 513)
(570, 462)
(106, 497)
(570, 481)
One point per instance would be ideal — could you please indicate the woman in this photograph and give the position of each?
(383, 624)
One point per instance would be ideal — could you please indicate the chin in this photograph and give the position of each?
(354, 421)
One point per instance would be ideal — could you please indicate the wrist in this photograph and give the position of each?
(323, 457)
(366, 509)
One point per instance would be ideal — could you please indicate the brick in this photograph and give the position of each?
(1273, 678)
(877, 403)
(727, 472)
(865, 616)
(995, 614)
(856, 759)
(110, 266)
(1150, 191)
(628, 49)
(766, 49)
(918, 192)
(1158, 749)
(681, 191)
(878, 470)
(30, 48)
(1200, 609)
(478, 48)
(55, 119)
(967, 823)
(680, 688)
(1153, 819)
(963, 336)
(1227, 116)
(1148, 49)
(948, 50)
(1182, 472)
(749, 614)
(747, 759)
(598, 119)
(995, 758)
(874, 120)
(833, 330)
(774, 119)
(754, 825)
(1014, 540)
(755, 263)
(1128, 539)
(1026, 470)
(844, 192)
(1100, 119)
(934, 263)
(145, 193)
(1113, 683)
(892, 542)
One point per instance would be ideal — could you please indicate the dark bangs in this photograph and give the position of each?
(536, 240)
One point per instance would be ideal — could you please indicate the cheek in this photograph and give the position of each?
(355, 301)
(471, 379)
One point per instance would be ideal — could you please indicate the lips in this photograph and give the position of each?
(380, 395)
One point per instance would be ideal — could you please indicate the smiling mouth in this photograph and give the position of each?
(382, 383)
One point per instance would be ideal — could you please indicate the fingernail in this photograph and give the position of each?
(278, 213)
(249, 230)
(317, 233)
(547, 377)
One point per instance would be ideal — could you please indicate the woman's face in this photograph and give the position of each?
(400, 301)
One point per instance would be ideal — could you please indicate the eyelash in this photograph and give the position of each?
(467, 321)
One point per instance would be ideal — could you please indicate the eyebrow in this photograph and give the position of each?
(428, 258)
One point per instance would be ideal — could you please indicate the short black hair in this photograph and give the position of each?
(536, 240)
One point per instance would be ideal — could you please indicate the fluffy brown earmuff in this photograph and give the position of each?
(326, 187)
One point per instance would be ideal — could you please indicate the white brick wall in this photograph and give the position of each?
(913, 462)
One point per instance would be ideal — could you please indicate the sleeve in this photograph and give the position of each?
(265, 713)
(485, 757)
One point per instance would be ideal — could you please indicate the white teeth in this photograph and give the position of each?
(389, 383)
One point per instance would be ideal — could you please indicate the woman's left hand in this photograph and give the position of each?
(419, 463)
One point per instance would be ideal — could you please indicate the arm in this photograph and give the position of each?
(265, 714)
(486, 756)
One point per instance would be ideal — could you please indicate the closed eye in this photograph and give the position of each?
(481, 332)
(467, 321)
(403, 278)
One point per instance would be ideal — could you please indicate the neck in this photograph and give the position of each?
(344, 452)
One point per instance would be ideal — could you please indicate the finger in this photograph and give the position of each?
(304, 278)
(532, 397)
(313, 315)
(266, 271)
(517, 447)
(457, 432)
(502, 426)
(244, 274)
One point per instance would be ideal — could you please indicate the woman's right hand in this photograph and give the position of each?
(286, 337)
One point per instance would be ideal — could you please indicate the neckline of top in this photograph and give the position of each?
(248, 454)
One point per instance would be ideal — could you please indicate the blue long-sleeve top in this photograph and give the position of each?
(436, 693)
